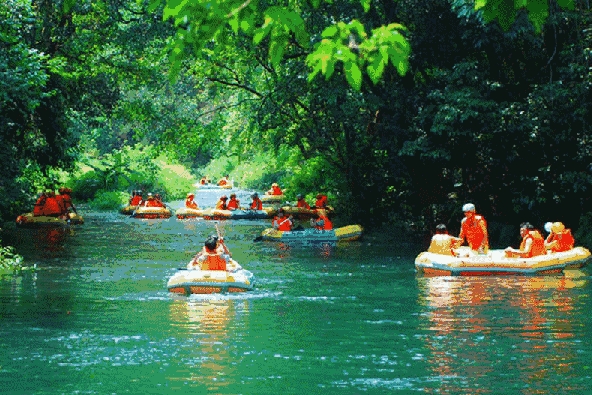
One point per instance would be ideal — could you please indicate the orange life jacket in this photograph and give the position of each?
(233, 204)
(321, 202)
(223, 182)
(302, 204)
(472, 231)
(38, 208)
(136, 200)
(284, 223)
(153, 203)
(51, 207)
(276, 191)
(221, 205)
(538, 244)
(214, 261)
(565, 241)
(257, 204)
(189, 203)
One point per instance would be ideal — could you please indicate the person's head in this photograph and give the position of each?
(150, 195)
(255, 195)
(233, 195)
(211, 243)
(525, 227)
(50, 193)
(469, 209)
(190, 195)
(65, 191)
(275, 184)
(281, 212)
(299, 197)
(548, 227)
(319, 196)
(441, 229)
(223, 197)
(557, 227)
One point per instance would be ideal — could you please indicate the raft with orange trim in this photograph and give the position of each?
(31, 221)
(303, 213)
(272, 199)
(152, 212)
(128, 210)
(195, 281)
(345, 233)
(184, 213)
(495, 263)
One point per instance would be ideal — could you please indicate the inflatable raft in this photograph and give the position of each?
(29, 220)
(212, 186)
(128, 210)
(346, 233)
(188, 281)
(210, 213)
(303, 213)
(495, 263)
(152, 212)
(272, 199)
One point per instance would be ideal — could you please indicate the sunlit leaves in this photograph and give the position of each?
(350, 45)
(505, 11)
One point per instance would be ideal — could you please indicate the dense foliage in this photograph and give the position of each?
(400, 111)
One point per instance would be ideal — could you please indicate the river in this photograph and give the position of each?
(95, 317)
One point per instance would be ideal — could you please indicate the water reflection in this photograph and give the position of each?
(206, 321)
(473, 322)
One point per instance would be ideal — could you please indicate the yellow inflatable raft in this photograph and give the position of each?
(301, 213)
(29, 220)
(272, 199)
(152, 212)
(128, 210)
(184, 213)
(346, 233)
(495, 263)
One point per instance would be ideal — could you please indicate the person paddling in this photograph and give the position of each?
(281, 222)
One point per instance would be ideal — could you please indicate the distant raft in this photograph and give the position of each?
(128, 210)
(152, 212)
(215, 214)
(213, 186)
(495, 263)
(304, 213)
(188, 281)
(31, 221)
(346, 233)
(272, 199)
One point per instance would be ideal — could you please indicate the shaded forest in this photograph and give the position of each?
(451, 105)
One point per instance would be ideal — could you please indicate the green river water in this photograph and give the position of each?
(95, 317)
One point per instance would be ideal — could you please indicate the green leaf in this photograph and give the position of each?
(376, 68)
(353, 75)
(366, 5)
(538, 12)
(330, 31)
(276, 51)
(68, 4)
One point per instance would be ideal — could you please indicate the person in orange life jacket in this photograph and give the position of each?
(321, 222)
(65, 201)
(532, 243)
(214, 255)
(203, 181)
(136, 198)
(321, 201)
(221, 204)
(281, 222)
(233, 203)
(473, 229)
(256, 204)
(275, 190)
(151, 201)
(224, 181)
(560, 239)
(443, 243)
(301, 203)
(38, 208)
(52, 207)
(190, 203)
